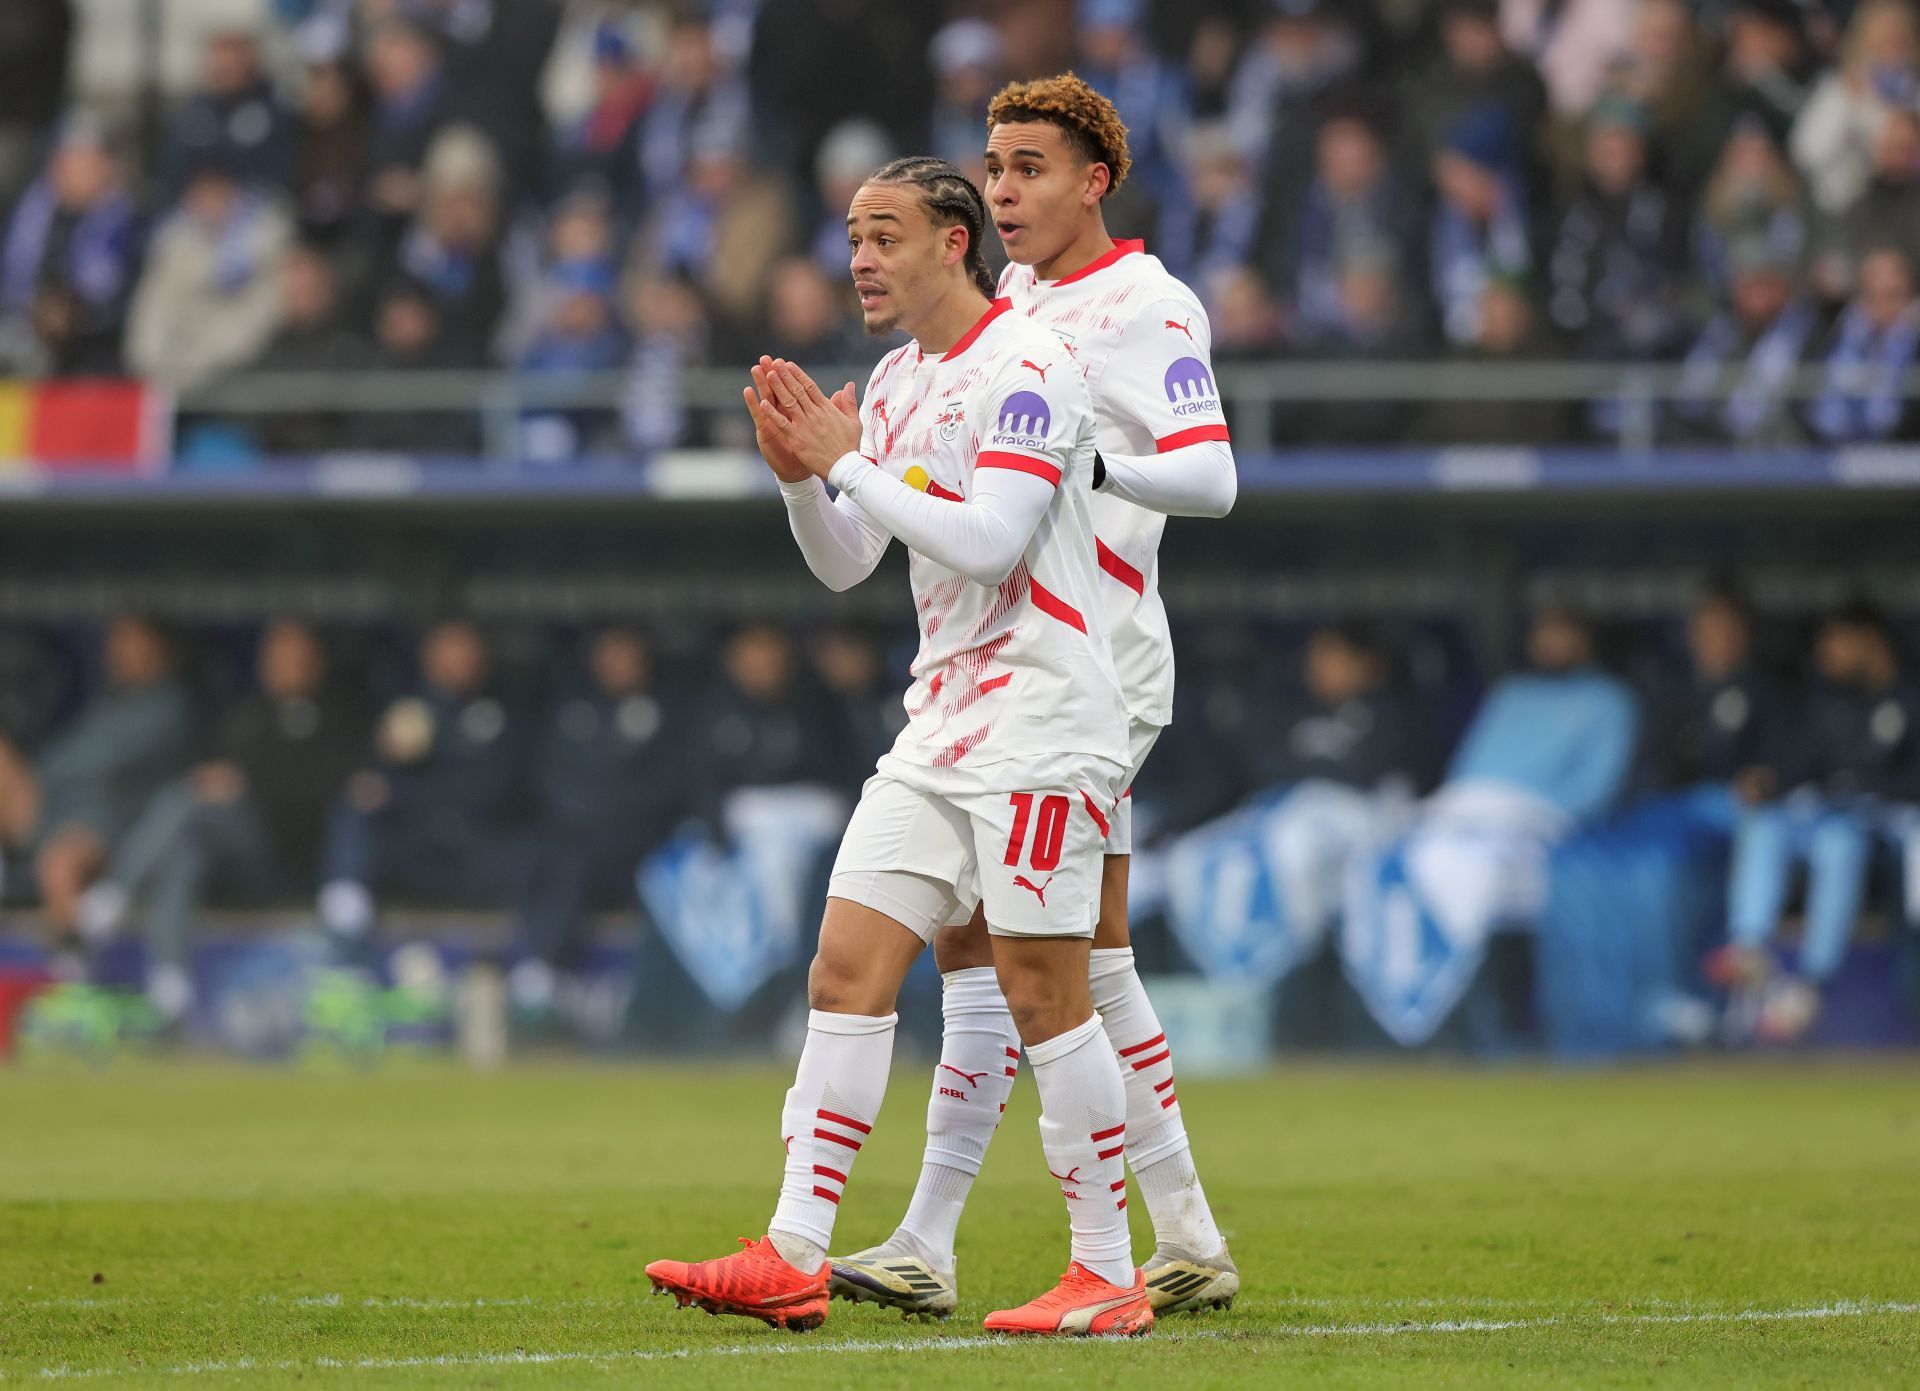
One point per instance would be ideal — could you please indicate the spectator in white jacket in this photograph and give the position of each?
(1574, 43)
(1840, 128)
(209, 299)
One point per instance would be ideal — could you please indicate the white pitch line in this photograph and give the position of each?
(1839, 1309)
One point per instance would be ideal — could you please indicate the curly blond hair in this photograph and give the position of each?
(1092, 126)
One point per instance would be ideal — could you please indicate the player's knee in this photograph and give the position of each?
(840, 984)
(829, 986)
(1045, 1004)
(962, 947)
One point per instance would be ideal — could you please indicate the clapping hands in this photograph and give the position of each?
(800, 430)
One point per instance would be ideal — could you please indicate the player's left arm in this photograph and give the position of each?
(1161, 376)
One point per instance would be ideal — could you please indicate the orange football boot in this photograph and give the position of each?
(1082, 1305)
(757, 1283)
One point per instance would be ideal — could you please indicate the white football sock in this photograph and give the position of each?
(1082, 1130)
(1157, 1147)
(830, 1110)
(979, 1056)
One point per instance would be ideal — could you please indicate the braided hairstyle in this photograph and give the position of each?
(949, 198)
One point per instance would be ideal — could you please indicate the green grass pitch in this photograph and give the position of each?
(197, 1224)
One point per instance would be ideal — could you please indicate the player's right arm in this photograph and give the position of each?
(982, 537)
(840, 542)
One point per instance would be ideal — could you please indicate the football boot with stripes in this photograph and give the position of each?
(1179, 1282)
(894, 1279)
(755, 1283)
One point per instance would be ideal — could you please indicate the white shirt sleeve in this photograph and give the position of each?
(840, 541)
(982, 538)
(1195, 480)
(1160, 376)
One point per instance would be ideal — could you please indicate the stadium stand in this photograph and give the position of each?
(358, 317)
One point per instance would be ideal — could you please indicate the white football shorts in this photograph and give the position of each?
(1032, 859)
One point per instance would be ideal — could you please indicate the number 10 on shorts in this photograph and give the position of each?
(1047, 835)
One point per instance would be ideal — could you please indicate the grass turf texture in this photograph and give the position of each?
(166, 1225)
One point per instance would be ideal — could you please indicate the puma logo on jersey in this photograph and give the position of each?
(1039, 890)
(973, 1078)
(1036, 367)
(1178, 327)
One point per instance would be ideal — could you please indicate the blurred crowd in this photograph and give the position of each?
(315, 772)
(452, 778)
(646, 188)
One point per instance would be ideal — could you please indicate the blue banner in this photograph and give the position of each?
(736, 915)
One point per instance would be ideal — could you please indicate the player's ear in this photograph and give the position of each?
(956, 246)
(1099, 180)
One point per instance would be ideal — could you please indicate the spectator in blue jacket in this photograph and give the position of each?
(235, 119)
(579, 335)
(1858, 744)
(1864, 397)
(1547, 753)
(410, 105)
(72, 256)
(1561, 735)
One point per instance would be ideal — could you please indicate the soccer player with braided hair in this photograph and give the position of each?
(1056, 150)
(973, 447)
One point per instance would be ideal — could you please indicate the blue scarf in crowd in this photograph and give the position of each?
(100, 254)
(1466, 255)
(1758, 393)
(1863, 397)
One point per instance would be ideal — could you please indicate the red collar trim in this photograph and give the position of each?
(1120, 248)
(994, 311)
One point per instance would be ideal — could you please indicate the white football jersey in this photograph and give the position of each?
(1145, 346)
(1021, 673)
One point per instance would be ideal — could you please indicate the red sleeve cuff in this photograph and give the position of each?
(1199, 434)
(1024, 463)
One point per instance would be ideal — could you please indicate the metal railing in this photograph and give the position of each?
(1252, 392)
